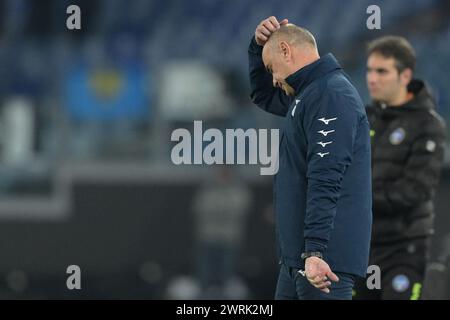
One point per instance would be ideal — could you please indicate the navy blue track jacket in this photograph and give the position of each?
(322, 191)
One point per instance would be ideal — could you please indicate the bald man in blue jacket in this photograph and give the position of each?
(322, 191)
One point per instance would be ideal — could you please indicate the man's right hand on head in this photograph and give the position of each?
(266, 27)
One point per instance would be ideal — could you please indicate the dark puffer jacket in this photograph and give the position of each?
(407, 156)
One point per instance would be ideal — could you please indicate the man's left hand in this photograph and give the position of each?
(318, 273)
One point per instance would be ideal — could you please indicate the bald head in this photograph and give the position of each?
(287, 50)
(294, 36)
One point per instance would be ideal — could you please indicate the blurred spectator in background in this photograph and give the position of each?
(221, 207)
(407, 155)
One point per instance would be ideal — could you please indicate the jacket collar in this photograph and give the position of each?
(423, 99)
(300, 79)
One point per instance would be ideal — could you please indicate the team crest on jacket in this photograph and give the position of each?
(400, 283)
(430, 146)
(397, 136)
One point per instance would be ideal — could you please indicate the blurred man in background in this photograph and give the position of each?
(221, 207)
(407, 154)
(322, 191)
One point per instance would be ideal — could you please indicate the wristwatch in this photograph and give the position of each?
(306, 255)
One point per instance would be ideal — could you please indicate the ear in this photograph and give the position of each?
(285, 49)
(406, 76)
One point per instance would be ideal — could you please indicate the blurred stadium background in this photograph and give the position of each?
(85, 122)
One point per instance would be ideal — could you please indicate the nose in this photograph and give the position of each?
(371, 77)
(275, 82)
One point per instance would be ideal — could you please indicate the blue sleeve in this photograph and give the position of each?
(330, 123)
(263, 93)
